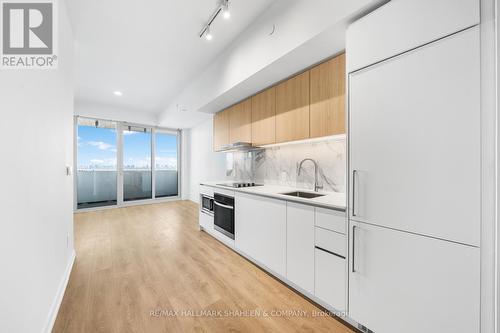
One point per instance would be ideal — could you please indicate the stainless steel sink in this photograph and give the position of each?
(307, 195)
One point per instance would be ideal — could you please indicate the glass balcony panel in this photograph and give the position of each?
(166, 165)
(137, 178)
(96, 165)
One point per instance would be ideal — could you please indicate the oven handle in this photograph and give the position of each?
(223, 206)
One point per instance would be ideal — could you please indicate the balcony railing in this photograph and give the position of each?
(98, 187)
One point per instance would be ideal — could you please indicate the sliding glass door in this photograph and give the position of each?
(96, 163)
(137, 154)
(166, 162)
(119, 163)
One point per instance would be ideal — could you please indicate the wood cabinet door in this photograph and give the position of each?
(292, 109)
(240, 122)
(221, 129)
(327, 113)
(264, 117)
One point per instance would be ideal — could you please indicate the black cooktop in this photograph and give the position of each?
(239, 185)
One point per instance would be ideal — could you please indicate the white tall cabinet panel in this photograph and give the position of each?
(402, 25)
(415, 141)
(260, 230)
(408, 283)
(300, 245)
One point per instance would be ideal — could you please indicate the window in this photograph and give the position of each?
(115, 163)
(96, 165)
(166, 171)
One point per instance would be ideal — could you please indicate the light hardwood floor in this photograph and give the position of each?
(133, 261)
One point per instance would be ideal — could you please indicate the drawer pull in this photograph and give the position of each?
(335, 254)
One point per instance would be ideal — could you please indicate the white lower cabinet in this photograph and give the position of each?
(206, 222)
(283, 237)
(330, 279)
(402, 282)
(260, 230)
(300, 246)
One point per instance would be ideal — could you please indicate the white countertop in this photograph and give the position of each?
(332, 200)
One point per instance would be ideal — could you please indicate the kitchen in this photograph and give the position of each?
(248, 166)
(409, 235)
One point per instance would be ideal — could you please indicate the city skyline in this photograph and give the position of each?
(97, 149)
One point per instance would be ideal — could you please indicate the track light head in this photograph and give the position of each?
(208, 34)
(225, 9)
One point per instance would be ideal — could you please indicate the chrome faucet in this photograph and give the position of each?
(316, 185)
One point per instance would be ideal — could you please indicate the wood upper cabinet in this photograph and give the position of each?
(292, 109)
(221, 129)
(264, 117)
(327, 113)
(240, 122)
(309, 105)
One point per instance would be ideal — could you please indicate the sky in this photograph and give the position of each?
(97, 149)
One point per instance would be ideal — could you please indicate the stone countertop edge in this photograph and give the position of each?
(327, 201)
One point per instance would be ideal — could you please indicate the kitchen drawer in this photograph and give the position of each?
(331, 241)
(207, 190)
(331, 219)
(330, 279)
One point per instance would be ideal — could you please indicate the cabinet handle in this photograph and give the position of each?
(354, 173)
(223, 206)
(353, 247)
(329, 252)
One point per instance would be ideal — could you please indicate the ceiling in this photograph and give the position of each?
(149, 50)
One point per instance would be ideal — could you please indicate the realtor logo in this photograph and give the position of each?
(28, 34)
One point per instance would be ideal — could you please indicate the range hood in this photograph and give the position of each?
(239, 146)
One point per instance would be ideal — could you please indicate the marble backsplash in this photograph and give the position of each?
(278, 165)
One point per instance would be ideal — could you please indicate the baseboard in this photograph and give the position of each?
(54, 309)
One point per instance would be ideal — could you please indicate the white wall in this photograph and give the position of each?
(497, 171)
(185, 164)
(36, 196)
(205, 165)
(107, 112)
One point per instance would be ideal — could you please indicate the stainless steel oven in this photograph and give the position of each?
(224, 214)
(207, 204)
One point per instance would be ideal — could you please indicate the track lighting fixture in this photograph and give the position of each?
(222, 8)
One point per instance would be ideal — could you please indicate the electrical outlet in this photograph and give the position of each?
(283, 176)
